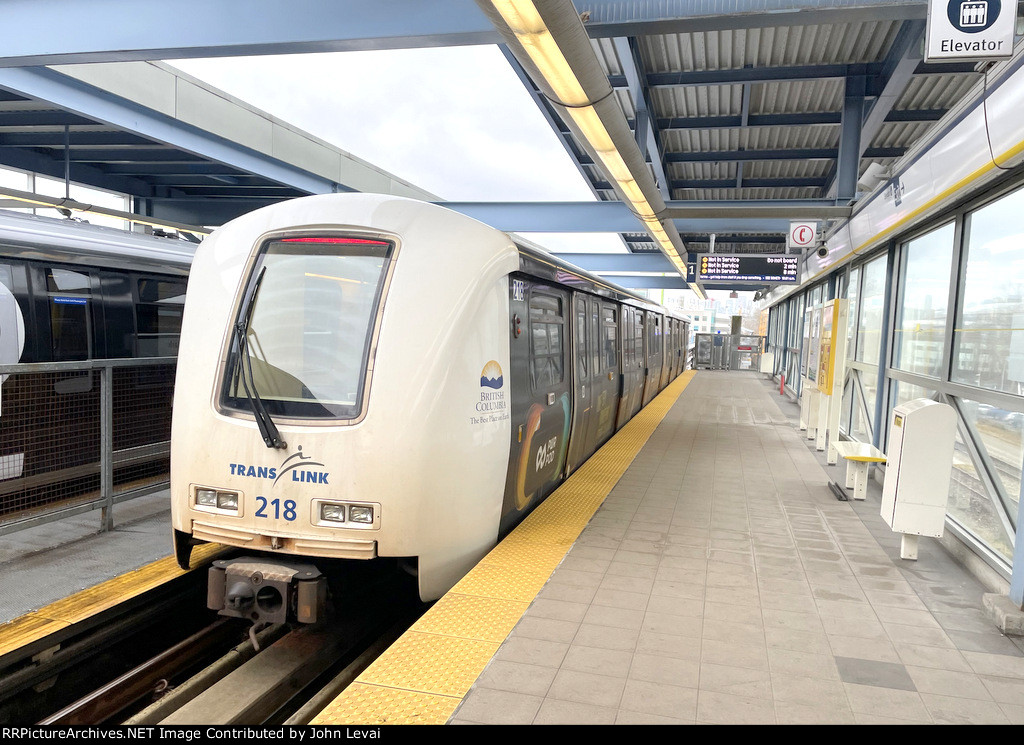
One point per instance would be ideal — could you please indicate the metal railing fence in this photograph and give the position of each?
(79, 436)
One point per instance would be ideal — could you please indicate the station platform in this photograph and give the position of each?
(48, 563)
(719, 581)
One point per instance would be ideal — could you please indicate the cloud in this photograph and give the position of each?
(455, 120)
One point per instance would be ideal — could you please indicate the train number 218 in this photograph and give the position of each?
(288, 512)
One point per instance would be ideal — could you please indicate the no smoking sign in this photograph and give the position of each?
(802, 234)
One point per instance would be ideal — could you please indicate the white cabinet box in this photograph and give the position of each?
(920, 459)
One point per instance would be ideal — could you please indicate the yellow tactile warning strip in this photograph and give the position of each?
(423, 677)
(35, 625)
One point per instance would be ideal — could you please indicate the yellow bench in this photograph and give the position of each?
(859, 457)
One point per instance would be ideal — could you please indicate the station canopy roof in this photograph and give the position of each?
(744, 113)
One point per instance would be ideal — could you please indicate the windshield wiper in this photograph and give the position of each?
(268, 430)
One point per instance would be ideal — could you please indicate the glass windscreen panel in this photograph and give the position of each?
(309, 316)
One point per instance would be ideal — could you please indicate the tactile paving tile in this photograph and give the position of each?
(371, 704)
(436, 669)
(502, 582)
(471, 617)
(34, 626)
(430, 663)
(25, 630)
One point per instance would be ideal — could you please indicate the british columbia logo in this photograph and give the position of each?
(491, 377)
(492, 406)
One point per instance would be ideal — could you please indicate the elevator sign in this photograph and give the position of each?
(970, 29)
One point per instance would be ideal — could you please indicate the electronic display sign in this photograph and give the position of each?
(748, 268)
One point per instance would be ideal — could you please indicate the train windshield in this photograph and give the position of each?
(308, 316)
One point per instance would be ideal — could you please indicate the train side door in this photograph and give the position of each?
(583, 410)
(604, 320)
(541, 405)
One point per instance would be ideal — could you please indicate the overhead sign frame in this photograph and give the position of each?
(970, 29)
(753, 268)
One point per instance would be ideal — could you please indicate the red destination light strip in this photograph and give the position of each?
(330, 239)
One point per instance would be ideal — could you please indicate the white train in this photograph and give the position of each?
(366, 376)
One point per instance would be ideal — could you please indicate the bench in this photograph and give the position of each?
(859, 457)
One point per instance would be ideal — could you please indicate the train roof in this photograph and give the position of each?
(73, 242)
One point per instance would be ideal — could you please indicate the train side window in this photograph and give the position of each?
(638, 336)
(582, 346)
(611, 331)
(627, 337)
(158, 314)
(548, 354)
(70, 331)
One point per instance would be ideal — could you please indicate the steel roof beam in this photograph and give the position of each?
(848, 160)
(616, 18)
(771, 216)
(31, 160)
(200, 28)
(52, 32)
(645, 127)
(782, 120)
(750, 183)
(197, 168)
(33, 138)
(804, 153)
(87, 101)
(898, 68)
(651, 261)
(204, 210)
(873, 71)
(633, 282)
(22, 118)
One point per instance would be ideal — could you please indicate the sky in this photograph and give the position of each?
(455, 121)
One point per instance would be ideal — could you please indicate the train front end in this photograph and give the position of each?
(339, 396)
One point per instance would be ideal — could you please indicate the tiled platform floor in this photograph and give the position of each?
(721, 582)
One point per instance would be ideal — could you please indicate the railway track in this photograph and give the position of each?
(166, 660)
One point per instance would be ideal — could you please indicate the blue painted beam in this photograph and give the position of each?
(623, 262)
(198, 211)
(616, 18)
(872, 71)
(848, 159)
(898, 69)
(31, 160)
(782, 120)
(615, 217)
(645, 127)
(99, 106)
(751, 183)
(804, 153)
(632, 282)
(48, 32)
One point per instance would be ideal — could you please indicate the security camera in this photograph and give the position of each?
(822, 252)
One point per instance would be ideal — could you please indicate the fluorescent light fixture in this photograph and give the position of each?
(523, 19)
